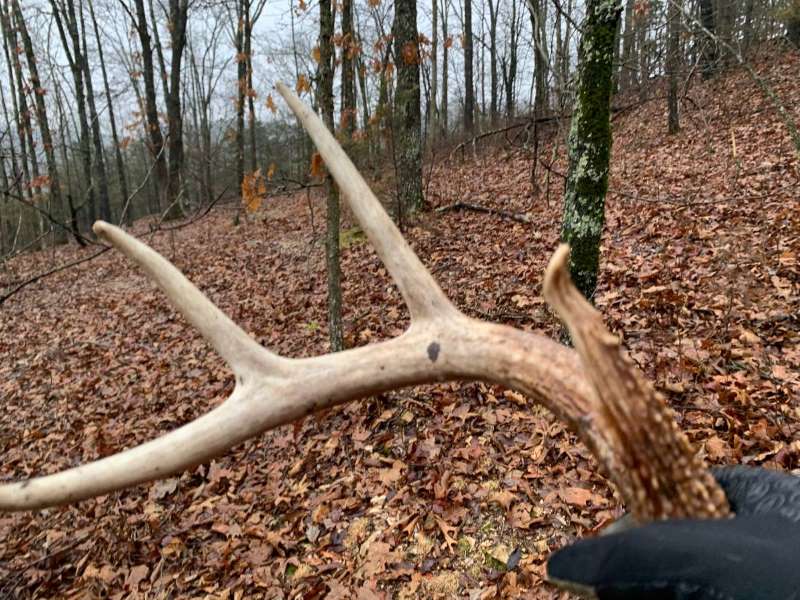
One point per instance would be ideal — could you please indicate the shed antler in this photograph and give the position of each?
(614, 410)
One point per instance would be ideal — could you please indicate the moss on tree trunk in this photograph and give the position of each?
(589, 145)
(408, 121)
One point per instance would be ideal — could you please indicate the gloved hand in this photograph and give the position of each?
(753, 556)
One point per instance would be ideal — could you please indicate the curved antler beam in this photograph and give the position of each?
(615, 411)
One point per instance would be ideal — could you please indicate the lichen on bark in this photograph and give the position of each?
(408, 120)
(589, 144)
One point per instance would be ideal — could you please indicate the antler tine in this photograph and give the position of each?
(422, 294)
(237, 348)
(616, 412)
(194, 443)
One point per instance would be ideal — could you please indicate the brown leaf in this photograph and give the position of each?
(576, 496)
(135, 576)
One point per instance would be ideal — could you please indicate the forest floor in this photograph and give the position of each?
(452, 490)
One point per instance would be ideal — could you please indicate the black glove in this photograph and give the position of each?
(754, 556)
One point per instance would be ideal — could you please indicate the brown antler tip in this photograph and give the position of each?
(556, 270)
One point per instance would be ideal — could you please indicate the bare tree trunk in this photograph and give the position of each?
(325, 99)
(251, 95)
(673, 63)
(709, 42)
(178, 15)
(481, 110)
(206, 185)
(15, 170)
(9, 46)
(241, 87)
(63, 126)
(628, 77)
(509, 62)
(617, 54)
(538, 10)
(747, 29)
(433, 108)
(469, 83)
(153, 126)
(445, 66)
(41, 109)
(589, 145)
(99, 163)
(493, 9)
(642, 54)
(121, 172)
(162, 65)
(408, 121)
(30, 162)
(349, 48)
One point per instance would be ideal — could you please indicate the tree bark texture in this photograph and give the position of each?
(41, 109)
(325, 99)
(673, 64)
(349, 50)
(99, 163)
(121, 173)
(709, 43)
(589, 145)
(156, 145)
(408, 120)
(178, 15)
(469, 83)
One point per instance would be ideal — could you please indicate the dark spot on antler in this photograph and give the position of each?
(433, 351)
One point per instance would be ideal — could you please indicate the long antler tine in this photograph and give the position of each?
(422, 294)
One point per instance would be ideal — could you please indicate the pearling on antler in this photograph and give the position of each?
(599, 394)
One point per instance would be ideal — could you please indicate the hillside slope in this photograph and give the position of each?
(426, 492)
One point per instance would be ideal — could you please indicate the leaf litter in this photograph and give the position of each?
(441, 491)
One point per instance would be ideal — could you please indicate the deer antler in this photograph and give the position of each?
(615, 411)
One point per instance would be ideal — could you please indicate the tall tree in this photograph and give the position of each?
(469, 83)
(67, 23)
(178, 16)
(408, 121)
(791, 17)
(562, 63)
(156, 143)
(99, 162)
(122, 176)
(628, 72)
(242, 10)
(20, 105)
(12, 154)
(673, 63)
(541, 61)
(349, 52)
(708, 42)
(494, 8)
(245, 16)
(446, 43)
(433, 107)
(325, 102)
(41, 109)
(589, 144)
(509, 60)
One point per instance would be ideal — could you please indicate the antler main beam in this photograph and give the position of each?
(440, 344)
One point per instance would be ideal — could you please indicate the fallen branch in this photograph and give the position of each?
(518, 217)
(53, 271)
